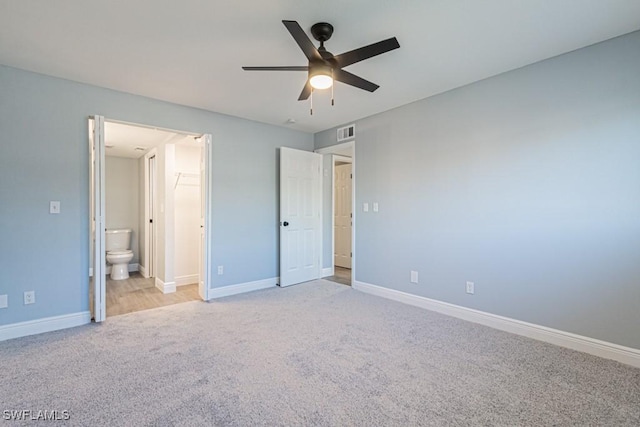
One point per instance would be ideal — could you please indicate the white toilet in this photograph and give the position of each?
(118, 252)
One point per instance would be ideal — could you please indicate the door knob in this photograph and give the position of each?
(285, 223)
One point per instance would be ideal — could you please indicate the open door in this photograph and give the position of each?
(204, 269)
(342, 222)
(300, 216)
(98, 280)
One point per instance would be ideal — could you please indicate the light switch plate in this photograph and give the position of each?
(54, 207)
(375, 206)
(414, 276)
(365, 207)
(4, 301)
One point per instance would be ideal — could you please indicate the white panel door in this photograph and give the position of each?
(342, 216)
(300, 216)
(205, 214)
(98, 282)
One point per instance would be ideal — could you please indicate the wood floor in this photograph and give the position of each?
(341, 275)
(137, 293)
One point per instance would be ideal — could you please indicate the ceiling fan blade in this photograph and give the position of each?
(353, 80)
(303, 41)
(285, 68)
(306, 91)
(366, 52)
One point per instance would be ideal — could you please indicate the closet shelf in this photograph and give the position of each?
(188, 179)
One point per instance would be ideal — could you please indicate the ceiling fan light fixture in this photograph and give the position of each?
(321, 77)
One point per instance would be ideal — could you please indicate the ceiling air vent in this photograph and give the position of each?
(347, 132)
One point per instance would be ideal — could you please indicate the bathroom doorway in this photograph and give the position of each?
(155, 183)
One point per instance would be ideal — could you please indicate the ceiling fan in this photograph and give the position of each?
(324, 67)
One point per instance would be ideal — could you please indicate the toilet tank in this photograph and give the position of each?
(117, 239)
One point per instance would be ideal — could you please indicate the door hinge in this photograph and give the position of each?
(351, 175)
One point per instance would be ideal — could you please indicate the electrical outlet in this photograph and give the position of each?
(4, 301)
(29, 297)
(470, 288)
(220, 270)
(414, 276)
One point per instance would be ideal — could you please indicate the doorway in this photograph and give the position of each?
(342, 218)
(340, 177)
(148, 180)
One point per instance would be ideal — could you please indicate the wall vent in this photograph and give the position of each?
(347, 132)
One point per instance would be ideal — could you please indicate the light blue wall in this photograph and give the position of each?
(44, 156)
(527, 183)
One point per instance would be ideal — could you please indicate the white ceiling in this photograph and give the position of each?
(125, 140)
(191, 51)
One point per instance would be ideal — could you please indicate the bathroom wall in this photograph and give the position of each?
(187, 214)
(122, 197)
(165, 249)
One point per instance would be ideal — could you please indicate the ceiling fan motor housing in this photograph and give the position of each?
(322, 31)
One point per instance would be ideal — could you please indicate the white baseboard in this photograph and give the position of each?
(607, 350)
(165, 287)
(47, 324)
(143, 271)
(187, 279)
(326, 272)
(241, 288)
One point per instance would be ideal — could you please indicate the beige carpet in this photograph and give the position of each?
(319, 353)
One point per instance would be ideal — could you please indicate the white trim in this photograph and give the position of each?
(241, 288)
(329, 271)
(188, 279)
(165, 288)
(607, 350)
(97, 217)
(206, 159)
(150, 254)
(143, 271)
(47, 324)
(332, 148)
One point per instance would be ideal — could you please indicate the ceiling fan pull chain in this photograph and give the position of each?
(332, 87)
(311, 101)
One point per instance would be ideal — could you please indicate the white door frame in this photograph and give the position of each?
(97, 220)
(99, 282)
(150, 255)
(331, 150)
(204, 266)
(335, 158)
